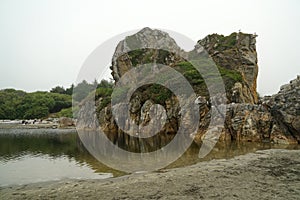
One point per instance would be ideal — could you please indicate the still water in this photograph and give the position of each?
(30, 158)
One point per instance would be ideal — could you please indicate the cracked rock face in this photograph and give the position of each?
(285, 107)
(144, 39)
(274, 119)
(236, 52)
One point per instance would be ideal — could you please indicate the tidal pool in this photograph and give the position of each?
(30, 158)
(27, 157)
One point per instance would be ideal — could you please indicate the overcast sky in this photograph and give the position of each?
(43, 43)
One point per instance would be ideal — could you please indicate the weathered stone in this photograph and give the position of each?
(148, 39)
(235, 52)
(275, 119)
(65, 122)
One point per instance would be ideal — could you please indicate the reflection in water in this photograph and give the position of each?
(39, 168)
(224, 150)
(44, 157)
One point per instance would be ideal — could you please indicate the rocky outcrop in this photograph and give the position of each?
(285, 109)
(236, 52)
(275, 119)
(272, 119)
(141, 48)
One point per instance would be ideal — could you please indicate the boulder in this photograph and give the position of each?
(66, 122)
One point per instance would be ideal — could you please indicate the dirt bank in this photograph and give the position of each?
(269, 174)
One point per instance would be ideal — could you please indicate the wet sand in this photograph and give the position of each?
(268, 174)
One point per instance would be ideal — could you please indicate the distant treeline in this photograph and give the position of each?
(17, 104)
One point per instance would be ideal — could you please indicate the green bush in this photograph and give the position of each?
(156, 92)
(232, 74)
(36, 112)
(206, 66)
(226, 42)
(16, 104)
(66, 112)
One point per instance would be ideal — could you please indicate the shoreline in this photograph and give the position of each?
(39, 131)
(266, 174)
(34, 129)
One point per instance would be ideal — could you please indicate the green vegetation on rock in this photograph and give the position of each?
(227, 42)
(159, 94)
(103, 93)
(208, 73)
(224, 42)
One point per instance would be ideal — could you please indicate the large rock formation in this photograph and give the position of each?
(236, 52)
(273, 119)
(235, 55)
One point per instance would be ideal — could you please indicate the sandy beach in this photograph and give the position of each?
(268, 174)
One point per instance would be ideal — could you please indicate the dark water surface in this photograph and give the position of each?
(29, 158)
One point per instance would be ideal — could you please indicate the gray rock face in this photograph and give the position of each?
(144, 39)
(285, 108)
(236, 52)
(275, 119)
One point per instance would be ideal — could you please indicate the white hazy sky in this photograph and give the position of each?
(43, 43)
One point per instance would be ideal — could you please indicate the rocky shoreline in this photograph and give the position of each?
(48, 125)
(268, 174)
